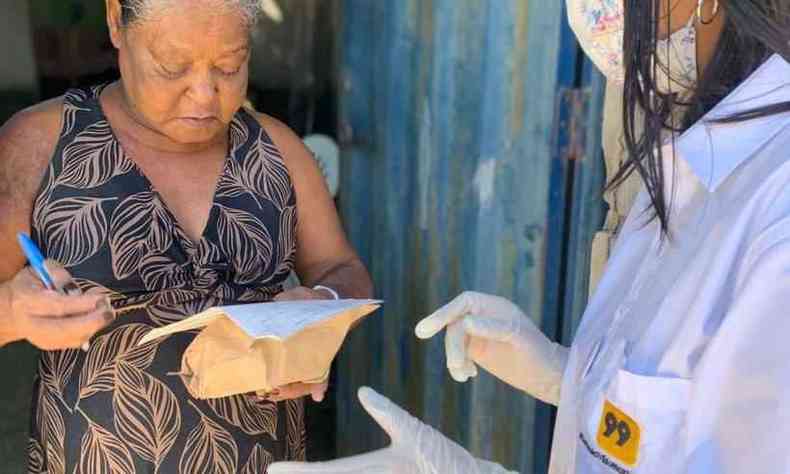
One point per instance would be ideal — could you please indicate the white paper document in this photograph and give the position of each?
(281, 320)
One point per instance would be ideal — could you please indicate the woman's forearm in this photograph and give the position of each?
(350, 279)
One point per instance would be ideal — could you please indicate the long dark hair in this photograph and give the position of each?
(753, 31)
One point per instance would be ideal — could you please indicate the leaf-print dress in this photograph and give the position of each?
(120, 408)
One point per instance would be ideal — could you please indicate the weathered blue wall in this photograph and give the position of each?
(464, 168)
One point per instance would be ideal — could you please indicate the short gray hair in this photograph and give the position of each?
(136, 10)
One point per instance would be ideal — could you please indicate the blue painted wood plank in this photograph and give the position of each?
(452, 181)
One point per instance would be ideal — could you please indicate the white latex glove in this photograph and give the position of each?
(416, 449)
(493, 333)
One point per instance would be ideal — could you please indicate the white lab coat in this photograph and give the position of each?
(682, 361)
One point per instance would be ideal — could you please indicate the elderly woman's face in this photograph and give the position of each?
(184, 69)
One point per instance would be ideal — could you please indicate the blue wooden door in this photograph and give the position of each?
(469, 132)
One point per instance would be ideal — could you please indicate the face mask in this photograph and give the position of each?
(599, 26)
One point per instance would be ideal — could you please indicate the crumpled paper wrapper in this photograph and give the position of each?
(223, 360)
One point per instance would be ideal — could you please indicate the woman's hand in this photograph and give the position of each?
(294, 391)
(299, 390)
(46, 318)
(495, 334)
(301, 293)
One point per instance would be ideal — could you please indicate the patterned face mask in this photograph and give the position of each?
(599, 26)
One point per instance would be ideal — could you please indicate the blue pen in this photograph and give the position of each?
(36, 260)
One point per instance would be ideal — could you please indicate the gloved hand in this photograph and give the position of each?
(493, 333)
(416, 448)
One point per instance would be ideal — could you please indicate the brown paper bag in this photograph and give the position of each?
(234, 355)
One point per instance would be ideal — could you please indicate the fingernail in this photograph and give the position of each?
(105, 305)
(85, 346)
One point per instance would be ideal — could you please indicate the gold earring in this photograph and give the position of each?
(700, 5)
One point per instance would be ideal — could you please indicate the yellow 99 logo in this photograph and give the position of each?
(619, 435)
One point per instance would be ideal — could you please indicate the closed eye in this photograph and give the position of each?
(233, 72)
(172, 73)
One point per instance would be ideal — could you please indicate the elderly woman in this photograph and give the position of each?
(161, 196)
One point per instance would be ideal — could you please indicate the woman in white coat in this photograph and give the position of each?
(682, 361)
